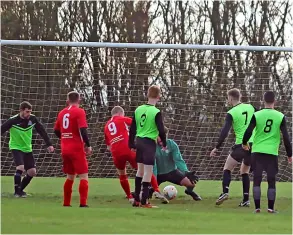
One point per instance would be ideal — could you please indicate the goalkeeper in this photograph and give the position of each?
(20, 144)
(170, 166)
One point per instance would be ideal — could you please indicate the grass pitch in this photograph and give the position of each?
(110, 212)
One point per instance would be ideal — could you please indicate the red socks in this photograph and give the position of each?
(154, 183)
(125, 185)
(67, 191)
(83, 191)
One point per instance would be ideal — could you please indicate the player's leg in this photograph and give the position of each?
(243, 156)
(154, 184)
(190, 191)
(81, 168)
(272, 171)
(67, 189)
(68, 169)
(138, 176)
(121, 170)
(138, 183)
(83, 189)
(132, 161)
(155, 190)
(244, 171)
(257, 162)
(159, 179)
(146, 182)
(177, 177)
(30, 167)
(120, 164)
(18, 161)
(125, 184)
(229, 166)
(149, 147)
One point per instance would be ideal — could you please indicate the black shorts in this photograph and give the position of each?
(145, 151)
(239, 154)
(264, 162)
(174, 177)
(26, 159)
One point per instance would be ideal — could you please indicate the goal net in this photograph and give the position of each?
(194, 85)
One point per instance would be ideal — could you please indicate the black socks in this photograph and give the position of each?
(256, 196)
(226, 181)
(17, 180)
(245, 185)
(137, 188)
(145, 192)
(25, 181)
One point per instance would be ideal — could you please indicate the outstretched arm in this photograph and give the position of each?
(224, 133)
(42, 132)
(6, 126)
(249, 130)
(286, 138)
(225, 130)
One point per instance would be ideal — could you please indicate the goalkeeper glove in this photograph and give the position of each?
(192, 176)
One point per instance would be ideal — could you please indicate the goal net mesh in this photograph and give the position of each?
(193, 103)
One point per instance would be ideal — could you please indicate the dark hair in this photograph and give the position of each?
(73, 96)
(234, 93)
(25, 105)
(269, 97)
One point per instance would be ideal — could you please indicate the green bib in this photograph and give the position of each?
(145, 121)
(241, 114)
(267, 131)
(21, 138)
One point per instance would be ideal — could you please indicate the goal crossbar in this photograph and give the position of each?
(144, 45)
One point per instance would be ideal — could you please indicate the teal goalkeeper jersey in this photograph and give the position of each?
(167, 161)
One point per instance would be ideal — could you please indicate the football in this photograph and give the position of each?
(170, 192)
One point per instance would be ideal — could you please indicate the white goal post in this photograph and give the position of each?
(194, 80)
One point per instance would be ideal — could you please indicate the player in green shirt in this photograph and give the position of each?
(267, 123)
(171, 167)
(20, 144)
(146, 126)
(237, 117)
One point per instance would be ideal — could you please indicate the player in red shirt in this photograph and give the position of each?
(116, 139)
(71, 128)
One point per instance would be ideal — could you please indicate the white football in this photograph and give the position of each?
(170, 192)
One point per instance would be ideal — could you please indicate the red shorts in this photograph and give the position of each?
(121, 160)
(75, 163)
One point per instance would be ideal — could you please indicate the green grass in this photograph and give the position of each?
(110, 212)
